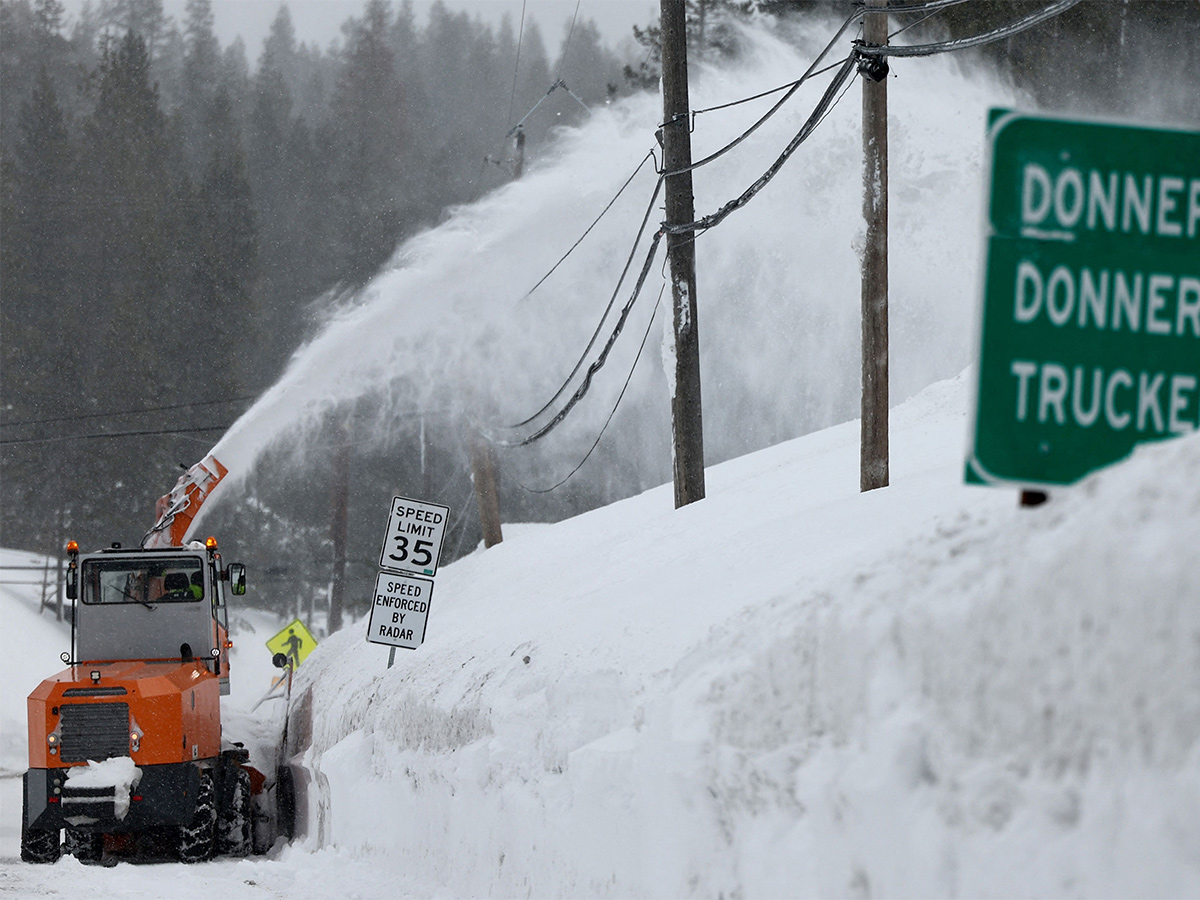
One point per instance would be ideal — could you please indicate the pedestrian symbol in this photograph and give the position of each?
(294, 641)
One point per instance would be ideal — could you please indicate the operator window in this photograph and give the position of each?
(172, 580)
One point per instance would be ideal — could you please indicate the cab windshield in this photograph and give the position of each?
(175, 579)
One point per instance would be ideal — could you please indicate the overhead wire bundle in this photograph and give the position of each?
(839, 83)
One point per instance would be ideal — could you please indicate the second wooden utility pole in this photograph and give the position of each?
(686, 420)
(873, 445)
(487, 495)
(338, 527)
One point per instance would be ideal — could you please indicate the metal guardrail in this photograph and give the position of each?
(52, 587)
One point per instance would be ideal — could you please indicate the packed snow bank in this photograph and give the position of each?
(792, 688)
(33, 642)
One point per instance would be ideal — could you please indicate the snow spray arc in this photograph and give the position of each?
(412, 546)
(781, 347)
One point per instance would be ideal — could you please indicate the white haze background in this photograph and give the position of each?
(788, 689)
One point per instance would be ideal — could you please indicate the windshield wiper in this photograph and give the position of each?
(145, 603)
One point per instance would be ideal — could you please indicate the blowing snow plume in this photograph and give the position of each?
(452, 328)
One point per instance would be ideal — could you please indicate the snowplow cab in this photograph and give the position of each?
(127, 739)
(153, 604)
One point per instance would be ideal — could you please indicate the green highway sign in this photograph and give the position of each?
(1090, 326)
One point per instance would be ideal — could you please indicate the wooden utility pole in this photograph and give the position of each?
(483, 477)
(483, 459)
(519, 153)
(686, 421)
(337, 530)
(873, 445)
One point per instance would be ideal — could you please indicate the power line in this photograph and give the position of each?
(127, 412)
(110, 434)
(613, 412)
(558, 81)
(567, 46)
(599, 325)
(987, 37)
(512, 98)
(912, 24)
(596, 366)
(588, 230)
(833, 106)
(790, 86)
(827, 100)
(791, 90)
(930, 6)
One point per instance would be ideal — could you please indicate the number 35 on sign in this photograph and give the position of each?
(414, 536)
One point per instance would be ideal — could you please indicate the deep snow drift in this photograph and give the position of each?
(792, 688)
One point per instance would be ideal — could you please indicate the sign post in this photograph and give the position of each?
(1090, 326)
(412, 547)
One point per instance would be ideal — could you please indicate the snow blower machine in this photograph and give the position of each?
(125, 744)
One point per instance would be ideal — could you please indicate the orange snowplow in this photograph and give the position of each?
(126, 741)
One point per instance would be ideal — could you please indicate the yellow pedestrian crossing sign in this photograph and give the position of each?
(294, 641)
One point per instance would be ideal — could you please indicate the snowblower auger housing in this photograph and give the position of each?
(127, 739)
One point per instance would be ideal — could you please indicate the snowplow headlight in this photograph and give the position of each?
(52, 738)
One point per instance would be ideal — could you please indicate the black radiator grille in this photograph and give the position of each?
(94, 731)
(95, 692)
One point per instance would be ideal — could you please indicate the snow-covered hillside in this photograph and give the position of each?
(788, 689)
(792, 688)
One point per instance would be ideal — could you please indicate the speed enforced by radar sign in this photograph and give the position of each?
(414, 536)
(399, 610)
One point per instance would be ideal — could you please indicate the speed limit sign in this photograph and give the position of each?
(414, 536)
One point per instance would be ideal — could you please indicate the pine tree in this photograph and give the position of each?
(201, 64)
(711, 33)
(372, 137)
(143, 17)
(223, 243)
(39, 224)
